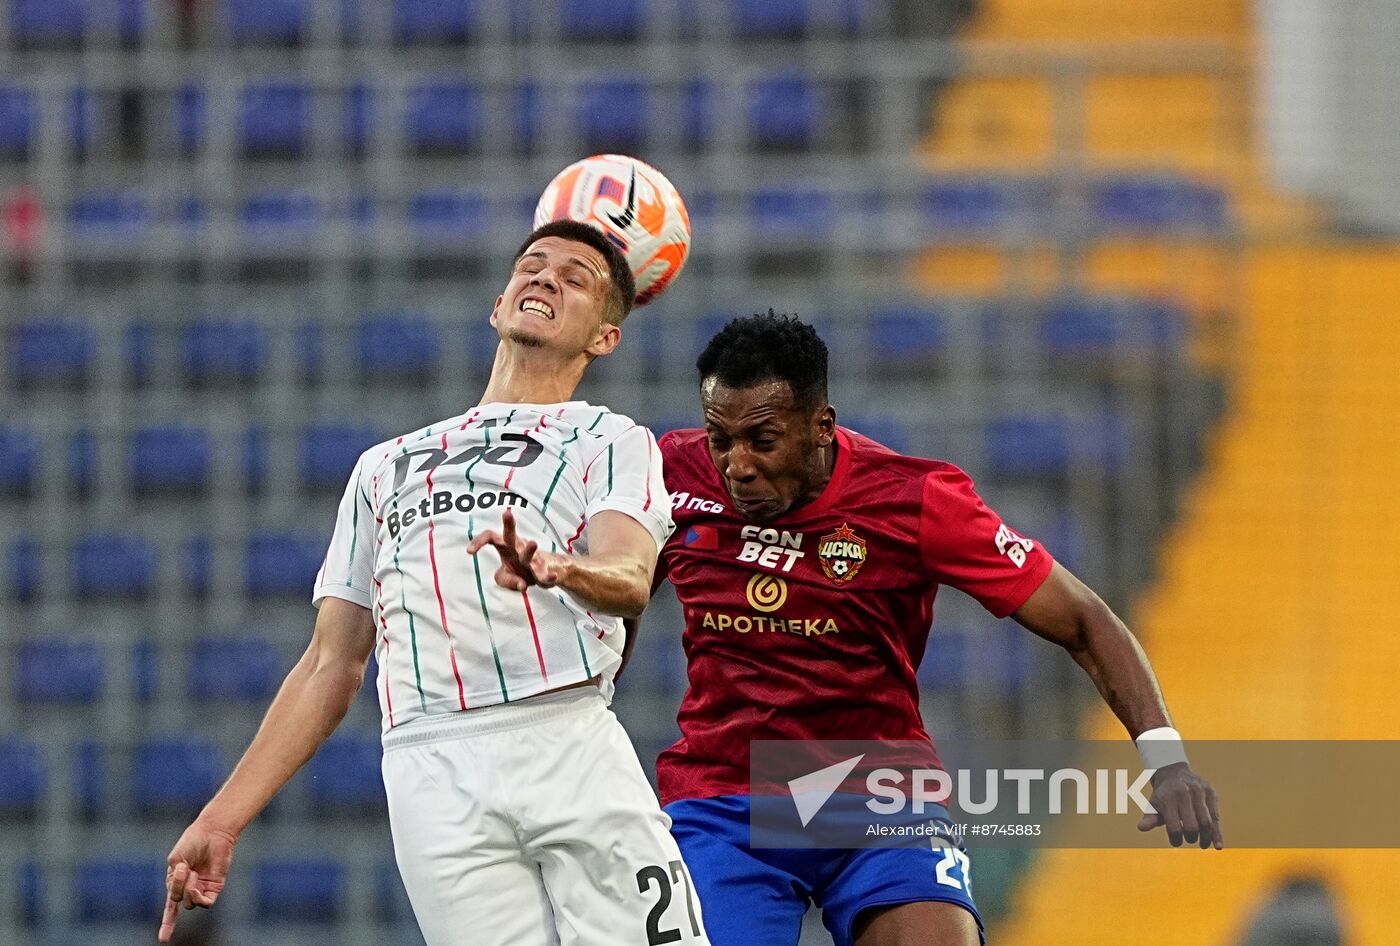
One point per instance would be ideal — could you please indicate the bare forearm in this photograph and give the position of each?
(618, 585)
(1119, 667)
(311, 703)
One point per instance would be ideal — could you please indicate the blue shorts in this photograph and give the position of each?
(756, 897)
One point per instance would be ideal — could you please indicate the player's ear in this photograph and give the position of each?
(496, 308)
(826, 426)
(605, 341)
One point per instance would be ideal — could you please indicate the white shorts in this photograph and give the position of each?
(531, 824)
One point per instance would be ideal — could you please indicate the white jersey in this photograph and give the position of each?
(449, 637)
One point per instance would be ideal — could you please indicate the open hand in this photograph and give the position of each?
(522, 563)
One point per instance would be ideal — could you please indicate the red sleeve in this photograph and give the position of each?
(967, 546)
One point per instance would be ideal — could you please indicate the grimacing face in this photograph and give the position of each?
(556, 297)
(767, 448)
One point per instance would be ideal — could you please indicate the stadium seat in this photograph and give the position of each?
(329, 452)
(145, 670)
(19, 461)
(793, 212)
(344, 775)
(29, 894)
(527, 109)
(24, 569)
(23, 778)
(697, 115)
(310, 344)
(254, 459)
(1027, 447)
(300, 891)
(609, 20)
(109, 565)
(397, 348)
(443, 118)
(223, 352)
(986, 204)
(274, 119)
(141, 339)
(281, 215)
(169, 460)
(191, 119)
(246, 669)
(769, 19)
(1157, 204)
(48, 22)
(198, 565)
(910, 338)
(174, 775)
(267, 22)
(435, 21)
(784, 112)
(449, 212)
(279, 563)
(1077, 326)
(19, 121)
(945, 662)
(59, 672)
(51, 352)
(357, 119)
(90, 777)
(109, 216)
(82, 462)
(613, 115)
(890, 431)
(129, 889)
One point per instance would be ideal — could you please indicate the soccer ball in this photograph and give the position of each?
(634, 205)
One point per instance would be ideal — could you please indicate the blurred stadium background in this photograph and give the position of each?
(1135, 265)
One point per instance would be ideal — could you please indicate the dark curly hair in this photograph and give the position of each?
(623, 291)
(768, 347)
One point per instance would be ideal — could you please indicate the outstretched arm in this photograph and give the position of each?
(1067, 612)
(614, 577)
(313, 700)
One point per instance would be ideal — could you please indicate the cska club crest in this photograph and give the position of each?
(841, 553)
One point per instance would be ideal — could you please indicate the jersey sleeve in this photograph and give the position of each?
(626, 477)
(966, 545)
(349, 566)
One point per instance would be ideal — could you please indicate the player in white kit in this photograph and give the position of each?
(488, 560)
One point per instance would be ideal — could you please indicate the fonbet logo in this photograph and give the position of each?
(443, 501)
(841, 553)
(889, 795)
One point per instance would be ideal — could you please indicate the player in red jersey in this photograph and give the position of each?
(806, 558)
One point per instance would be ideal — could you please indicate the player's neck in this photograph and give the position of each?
(532, 376)
(823, 467)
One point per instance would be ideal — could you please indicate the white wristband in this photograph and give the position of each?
(1160, 747)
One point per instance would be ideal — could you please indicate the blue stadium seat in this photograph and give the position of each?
(110, 565)
(329, 452)
(527, 107)
(1155, 204)
(128, 889)
(1028, 447)
(48, 22)
(770, 18)
(1074, 326)
(344, 775)
(482, 341)
(51, 351)
(784, 112)
(449, 212)
(613, 20)
(435, 21)
(191, 119)
(908, 336)
(274, 119)
(140, 349)
(170, 459)
(393, 347)
(59, 672)
(24, 569)
(106, 215)
(985, 204)
(945, 662)
(357, 118)
(613, 115)
(246, 669)
(793, 212)
(145, 670)
(90, 777)
(198, 562)
(697, 113)
(23, 778)
(19, 121)
(301, 891)
(391, 903)
(82, 461)
(254, 459)
(174, 775)
(443, 118)
(29, 893)
(279, 563)
(274, 215)
(19, 460)
(267, 21)
(890, 431)
(223, 351)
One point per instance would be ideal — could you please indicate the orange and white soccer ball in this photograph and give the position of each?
(634, 205)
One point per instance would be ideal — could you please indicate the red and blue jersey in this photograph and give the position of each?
(813, 626)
